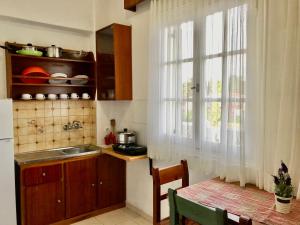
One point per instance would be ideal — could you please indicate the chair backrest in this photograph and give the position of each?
(164, 176)
(180, 207)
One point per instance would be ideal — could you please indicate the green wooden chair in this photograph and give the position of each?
(182, 208)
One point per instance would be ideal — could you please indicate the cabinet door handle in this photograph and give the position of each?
(43, 174)
(100, 182)
(59, 201)
(93, 185)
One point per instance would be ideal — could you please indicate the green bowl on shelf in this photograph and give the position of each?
(29, 52)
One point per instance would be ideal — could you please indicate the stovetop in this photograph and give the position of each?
(130, 149)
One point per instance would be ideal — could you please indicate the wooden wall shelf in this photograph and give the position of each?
(52, 85)
(15, 64)
(44, 58)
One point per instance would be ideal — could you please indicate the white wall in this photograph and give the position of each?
(133, 114)
(24, 31)
(69, 13)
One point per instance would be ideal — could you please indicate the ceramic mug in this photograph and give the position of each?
(111, 93)
(52, 96)
(74, 96)
(63, 96)
(40, 96)
(26, 96)
(86, 96)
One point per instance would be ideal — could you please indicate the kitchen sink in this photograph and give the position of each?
(56, 154)
(78, 150)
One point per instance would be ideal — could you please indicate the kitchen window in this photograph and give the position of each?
(224, 74)
(178, 80)
(205, 96)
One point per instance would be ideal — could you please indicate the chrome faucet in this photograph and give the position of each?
(74, 125)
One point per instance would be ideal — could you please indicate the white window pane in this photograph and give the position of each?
(236, 115)
(169, 81)
(187, 40)
(213, 77)
(170, 44)
(213, 122)
(168, 117)
(236, 73)
(187, 80)
(237, 28)
(214, 33)
(186, 125)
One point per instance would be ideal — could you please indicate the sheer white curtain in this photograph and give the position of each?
(224, 86)
(197, 89)
(170, 111)
(276, 48)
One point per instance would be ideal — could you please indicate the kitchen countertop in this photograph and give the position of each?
(59, 154)
(107, 149)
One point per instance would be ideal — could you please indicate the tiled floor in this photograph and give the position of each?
(122, 216)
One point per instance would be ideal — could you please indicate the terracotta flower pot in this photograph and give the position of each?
(283, 205)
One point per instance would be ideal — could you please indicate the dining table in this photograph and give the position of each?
(249, 201)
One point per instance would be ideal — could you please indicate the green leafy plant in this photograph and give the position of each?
(283, 182)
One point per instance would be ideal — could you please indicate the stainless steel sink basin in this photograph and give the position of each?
(72, 151)
(55, 154)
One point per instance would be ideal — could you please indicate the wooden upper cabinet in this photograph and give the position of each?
(81, 179)
(114, 63)
(131, 4)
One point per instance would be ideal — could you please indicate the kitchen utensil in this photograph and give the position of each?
(63, 96)
(40, 96)
(54, 52)
(111, 93)
(84, 79)
(7, 48)
(126, 137)
(74, 96)
(34, 71)
(86, 96)
(26, 96)
(58, 81)
(52, 96)
(29, 49)
(78, 54)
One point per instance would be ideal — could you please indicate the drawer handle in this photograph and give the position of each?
(59, 201)
(44, 174)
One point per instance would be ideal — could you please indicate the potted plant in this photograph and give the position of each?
(283, 189)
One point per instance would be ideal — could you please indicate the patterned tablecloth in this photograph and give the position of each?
(257, 204)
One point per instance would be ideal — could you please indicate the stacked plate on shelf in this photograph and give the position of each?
(83, 80)
(58, 81)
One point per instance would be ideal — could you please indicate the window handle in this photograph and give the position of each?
(197, 88)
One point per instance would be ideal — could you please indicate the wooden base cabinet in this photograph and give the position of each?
(62, 191)
(111, 181)
(43, 195)
(44, 204)
(81, 179)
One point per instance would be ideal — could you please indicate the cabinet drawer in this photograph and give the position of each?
(41, 175)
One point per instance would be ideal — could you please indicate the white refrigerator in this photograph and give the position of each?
(7, 174)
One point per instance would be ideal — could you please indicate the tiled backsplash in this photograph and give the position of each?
(38, 125)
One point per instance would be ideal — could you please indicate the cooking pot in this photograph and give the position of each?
(54, 52)
(126, 137)
(29, 49)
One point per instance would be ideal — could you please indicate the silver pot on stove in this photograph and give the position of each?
(126, 137)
